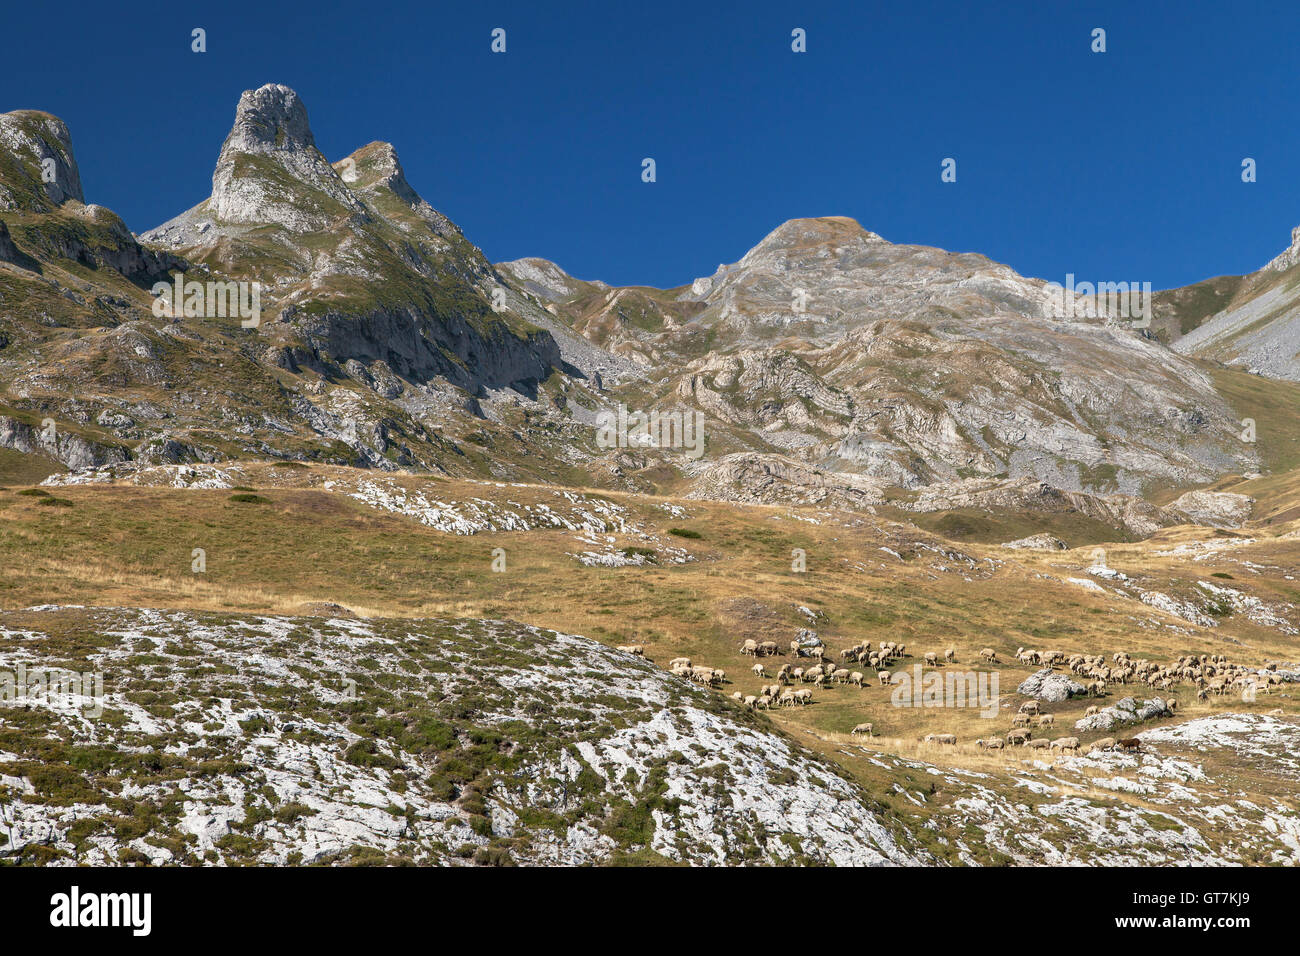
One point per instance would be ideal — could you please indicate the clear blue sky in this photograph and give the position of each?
(1116, 166)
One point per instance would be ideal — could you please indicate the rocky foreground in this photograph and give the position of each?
(223, 739)
(280, 740)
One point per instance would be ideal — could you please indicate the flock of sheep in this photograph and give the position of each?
(1210, 673)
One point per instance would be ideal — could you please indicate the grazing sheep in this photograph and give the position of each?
(751, 701)
(1020, 720)
(638, 650)
(932, 658)
(757, 670)
(989, 655)
(950, 655)
(840, 675)
(1065, 743)
(885, 678)
(803, 696)
(1030, 707)
(737, 696)
(764, 702)
(768, 648)
(1106, 743)
(679, 662)
(862, 729)
(856, 678)
(749, 647)
(1017, 737)
(1046, 720)
(1090, 711)
(1042, 743)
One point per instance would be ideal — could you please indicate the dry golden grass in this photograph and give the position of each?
(131, 546)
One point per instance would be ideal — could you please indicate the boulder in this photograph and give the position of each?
(807, 638)
(1038, 542)
(1050, 686)
(1126, 711)
(1217, 509)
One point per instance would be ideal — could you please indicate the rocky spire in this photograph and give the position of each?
(270, 170)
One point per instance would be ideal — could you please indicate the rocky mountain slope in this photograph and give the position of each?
(384, 339)
(827, 346)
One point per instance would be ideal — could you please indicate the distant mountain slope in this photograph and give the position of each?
(907, 365)
(1251, 321)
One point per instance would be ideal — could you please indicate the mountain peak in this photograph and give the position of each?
(28, 139)
(376, 164)
(270, 170)
(270, 118)
(809, 233)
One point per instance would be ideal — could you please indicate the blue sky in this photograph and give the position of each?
(1117, 166)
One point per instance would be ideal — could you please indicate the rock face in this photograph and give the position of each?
(333, 740)
(1051, 686)
(69, 448)
(32, 143)
(1125, 711)
(8, 251)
